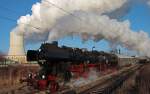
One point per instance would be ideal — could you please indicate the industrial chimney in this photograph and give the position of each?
(16, 50)
(16, 44)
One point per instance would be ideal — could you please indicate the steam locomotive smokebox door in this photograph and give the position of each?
(32, 55)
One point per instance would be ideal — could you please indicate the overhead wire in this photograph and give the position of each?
(63, 10)
(10, 19)
(12, 11)
(7, 18)
(13, 20)
(39, 28)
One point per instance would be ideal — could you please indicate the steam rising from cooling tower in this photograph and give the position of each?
(90, 19)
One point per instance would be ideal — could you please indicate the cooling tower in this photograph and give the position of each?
(16, 45)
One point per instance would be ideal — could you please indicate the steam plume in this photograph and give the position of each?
(149, 2)
(90, 19)
(44, 15)
(99, 27)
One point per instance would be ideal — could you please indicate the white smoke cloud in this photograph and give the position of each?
(99, 27)
(100, 21)
(149, 2)
(44, 15)
(92, 75)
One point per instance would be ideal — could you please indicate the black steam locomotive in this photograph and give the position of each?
(62, 62)
(52, 53)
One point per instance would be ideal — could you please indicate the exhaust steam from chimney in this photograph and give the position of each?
(93, 19)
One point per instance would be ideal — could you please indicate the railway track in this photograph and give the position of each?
(109, 87)
(143, 80)
(112, 84)
(103, 85)
(106, 84)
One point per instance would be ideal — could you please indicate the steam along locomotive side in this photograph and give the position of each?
(64, 63)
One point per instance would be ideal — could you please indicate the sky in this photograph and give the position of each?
(11, 10)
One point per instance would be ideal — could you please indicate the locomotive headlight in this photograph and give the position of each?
(30, 75)
(39, 50)
(43, 76)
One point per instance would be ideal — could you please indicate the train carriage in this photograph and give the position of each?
(126, 60)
